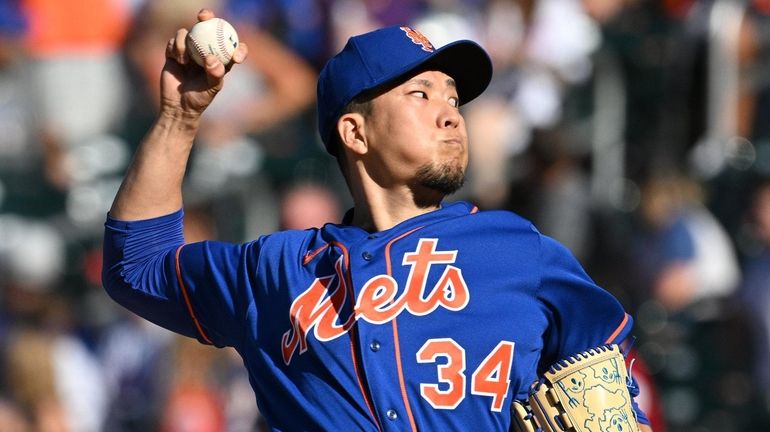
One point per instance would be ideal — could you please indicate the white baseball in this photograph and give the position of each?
(212, 37)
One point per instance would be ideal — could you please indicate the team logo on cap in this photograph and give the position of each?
(418, 38)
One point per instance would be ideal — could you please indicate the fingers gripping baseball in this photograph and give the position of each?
(187, 87)
(178, 48)
(205, 14)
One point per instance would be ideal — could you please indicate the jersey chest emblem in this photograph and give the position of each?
(317, 309)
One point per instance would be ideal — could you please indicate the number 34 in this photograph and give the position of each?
(491, 377)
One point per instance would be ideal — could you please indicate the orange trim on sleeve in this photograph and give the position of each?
(618, 330)
(187, 298)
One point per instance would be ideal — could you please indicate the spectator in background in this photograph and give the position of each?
(21, 153)
(86, 50)
(194, 402)
(77, 86)
(685, 274)
(48, 372)
(683, 254)
(137, 354)
(55, 380)
(303, 25)
(32, 382)
(268, 108)
(308, 205)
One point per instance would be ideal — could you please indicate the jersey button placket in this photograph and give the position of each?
(375, 339)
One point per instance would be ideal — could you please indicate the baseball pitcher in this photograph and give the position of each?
(409, 314)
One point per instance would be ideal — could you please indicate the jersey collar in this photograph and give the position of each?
(447, 210)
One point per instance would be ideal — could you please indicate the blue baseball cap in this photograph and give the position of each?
(381, 57)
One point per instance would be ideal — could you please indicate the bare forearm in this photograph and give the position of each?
(153, 184)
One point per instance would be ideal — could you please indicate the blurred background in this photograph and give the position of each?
(636, 132)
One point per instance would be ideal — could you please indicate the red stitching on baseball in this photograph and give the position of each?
(201, 53)
(221, 41)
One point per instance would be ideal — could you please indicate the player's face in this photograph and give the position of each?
(417, 136)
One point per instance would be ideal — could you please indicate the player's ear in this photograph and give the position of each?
(351, 126)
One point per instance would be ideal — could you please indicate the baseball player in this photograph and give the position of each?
(411, 313)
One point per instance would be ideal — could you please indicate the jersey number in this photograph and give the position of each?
(489, 379)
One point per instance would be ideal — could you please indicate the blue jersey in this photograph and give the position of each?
(435, 324)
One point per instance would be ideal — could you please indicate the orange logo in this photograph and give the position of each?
(317, 310)
(418, 38)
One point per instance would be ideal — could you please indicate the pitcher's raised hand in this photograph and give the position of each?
(186, 88)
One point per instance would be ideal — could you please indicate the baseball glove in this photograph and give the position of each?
(585, 393)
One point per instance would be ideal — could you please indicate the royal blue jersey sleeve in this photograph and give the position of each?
(192, 289)
(582, 314)
(219, 282)
(139, 269)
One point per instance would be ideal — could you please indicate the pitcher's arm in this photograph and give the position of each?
(152, 185)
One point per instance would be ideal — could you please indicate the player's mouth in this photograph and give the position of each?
(454, 142)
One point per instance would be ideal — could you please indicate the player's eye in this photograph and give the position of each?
(419, 93)
(454, 101)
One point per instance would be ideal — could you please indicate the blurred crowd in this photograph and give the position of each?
(636, 132)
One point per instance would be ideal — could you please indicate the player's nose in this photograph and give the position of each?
(449, 117)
